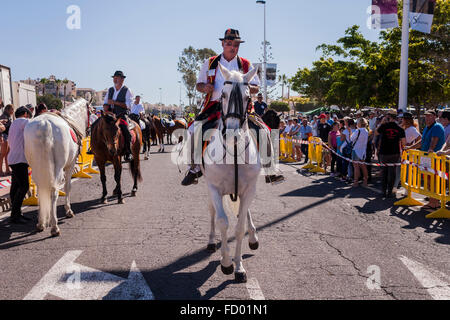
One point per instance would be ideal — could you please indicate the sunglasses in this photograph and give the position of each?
(231, 44)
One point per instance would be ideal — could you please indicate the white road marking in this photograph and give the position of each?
(71, 281)
(430, 279)
(254, 289)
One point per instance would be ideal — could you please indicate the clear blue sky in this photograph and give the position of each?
(145, 38)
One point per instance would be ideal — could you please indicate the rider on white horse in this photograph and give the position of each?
(211, 83)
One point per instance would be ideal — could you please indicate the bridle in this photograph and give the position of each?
(238, 112)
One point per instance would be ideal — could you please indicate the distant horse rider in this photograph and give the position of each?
(118, 100)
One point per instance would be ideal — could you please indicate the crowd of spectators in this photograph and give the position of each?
(379, 136)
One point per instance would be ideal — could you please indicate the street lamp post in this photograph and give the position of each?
(180, 93)
(265, 52)
(160, 102)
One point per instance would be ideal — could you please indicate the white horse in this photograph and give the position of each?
(52, 155)
(220, 175)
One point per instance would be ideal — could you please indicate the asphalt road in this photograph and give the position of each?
(319, 239)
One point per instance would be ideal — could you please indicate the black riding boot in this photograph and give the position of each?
(127, 147)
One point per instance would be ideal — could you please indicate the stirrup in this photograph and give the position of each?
(274, 179)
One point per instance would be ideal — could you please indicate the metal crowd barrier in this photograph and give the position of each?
(85, 162)
(426, 174)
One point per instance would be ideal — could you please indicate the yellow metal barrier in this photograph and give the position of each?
(310, 164)
(85, 162)
(32, 201)
(316, 155)
(416, 178)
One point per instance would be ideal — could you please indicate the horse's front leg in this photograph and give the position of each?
(245, 201)
(101, 167)
(117, 178)
(222, 223)
(212, 247)
(253, 241)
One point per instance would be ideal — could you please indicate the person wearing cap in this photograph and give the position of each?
(433, 137)
(211, 82)
(392, 142)
(118, 101)
(260, 106)
(18, 164)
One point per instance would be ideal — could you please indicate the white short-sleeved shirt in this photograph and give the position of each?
(219, 81)
(16, 142)
(411, 134)
(360, 138)
(128, 98)
(137, 109)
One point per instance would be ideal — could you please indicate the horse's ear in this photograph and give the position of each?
(225, 72)
(249, 76)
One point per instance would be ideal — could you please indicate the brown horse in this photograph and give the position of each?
(107, 144)
(160, 130)
(178, 125)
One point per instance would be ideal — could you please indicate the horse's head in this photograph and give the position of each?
(110, 132)
(235, 96)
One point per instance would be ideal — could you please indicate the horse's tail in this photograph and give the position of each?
(39, 141)
(135, 165)
(135, 169)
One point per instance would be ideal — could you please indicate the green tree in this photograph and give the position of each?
(50, 101)
(43, 81)
(189, 65)
(279, 106)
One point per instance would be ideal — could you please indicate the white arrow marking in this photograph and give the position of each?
(430, 279)
(71, 281)
(254, 290)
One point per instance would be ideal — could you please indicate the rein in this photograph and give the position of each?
(241, 114)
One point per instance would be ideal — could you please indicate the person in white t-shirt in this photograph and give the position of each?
(411, 132)
(359, 140)
(137, 107)
(19, 165)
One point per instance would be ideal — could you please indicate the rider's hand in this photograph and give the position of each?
(111, 101)
(209, 88)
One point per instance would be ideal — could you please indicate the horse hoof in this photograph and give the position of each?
(133, 193)
(39, 228)
(240, 277)
(70, 214)
(56, 233)
(227, 271)
(211, 248)
(254, 246)
(121, 201)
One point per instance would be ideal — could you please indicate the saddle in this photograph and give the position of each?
(167, 123)
(128, 122)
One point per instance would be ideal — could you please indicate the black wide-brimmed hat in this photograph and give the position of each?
(119, 74)
(232, 34)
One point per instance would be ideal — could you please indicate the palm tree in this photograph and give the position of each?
(58, 85)
(65, 82)
(284, 81)
(44, 81)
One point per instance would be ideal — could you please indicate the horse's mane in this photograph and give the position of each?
(109, 117)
